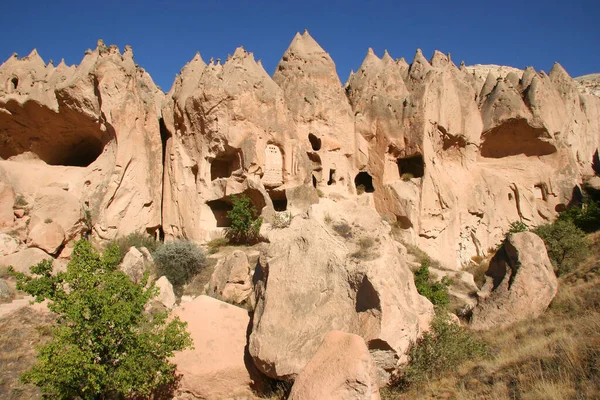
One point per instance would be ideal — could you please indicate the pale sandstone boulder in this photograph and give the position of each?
(47, 236)
(520, 283)
(22, 260)
(231, 279)
(342, 368)
(217, 368)
(134, 264)
(5, 291)
(165, 296)
(8, 245)
(333, 269)
(55, 205)
(7, 201)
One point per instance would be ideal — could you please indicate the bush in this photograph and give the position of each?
(245, 222)
(179, 261)
(436, 292)
(516, 227)
(135, 239)
(343, 229)
(104, 344)
(282, 220)
(215, 244)
(565, 244)
(443, 348)
(586, 218)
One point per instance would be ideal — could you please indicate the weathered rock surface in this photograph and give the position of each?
(22, 260)
(8, 245)
(231, 280)
(520, 283)
(342, 368)
(134, 264)
(47, 236)
(166, 296)
(311, 280)
(7, 200)
(217, 368)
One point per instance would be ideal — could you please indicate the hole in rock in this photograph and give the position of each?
(223, 165)
(411, 167)
(279, 199)
(364, 182)
(366, 297)
(596, 163)
(165, 135)
(14, 84)
(331, 180)
(403, 222)
(156, 232)
(315, 142)
(195, 172)
(314, 157)
(515, 137)
(66, 138)
(314, 180)
(540, 191)
(220, 208)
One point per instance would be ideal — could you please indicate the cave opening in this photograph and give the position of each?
(364, 183)
(366, 297)
(315, 142)
(224, 164)
(279, 199)
(314, 180)
(14, 83)
(515, 137)
(331, 180)
(404, 222)
(165, 135)
(411, 167)
(220, 208)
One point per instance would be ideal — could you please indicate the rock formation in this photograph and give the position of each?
(520, 283)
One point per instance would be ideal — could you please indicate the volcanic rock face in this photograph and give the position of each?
(90, 131)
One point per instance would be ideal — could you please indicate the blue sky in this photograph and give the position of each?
(165, 35)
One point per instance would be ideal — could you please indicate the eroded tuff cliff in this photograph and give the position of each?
(450, 154)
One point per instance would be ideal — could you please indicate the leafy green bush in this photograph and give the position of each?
(135, 239)
(516, 227)
(586, 218)
(565, 243)
(104, 344)
(436, 292)
(179, 261)
(245, 222)
(443, 348)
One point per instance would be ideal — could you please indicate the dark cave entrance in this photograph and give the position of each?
(364, 183)
(315, 142)
(220, 208)
(279, 199)
(411, 167)
(223, 165)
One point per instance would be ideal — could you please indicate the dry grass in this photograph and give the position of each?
(556, 356)
(20, 332)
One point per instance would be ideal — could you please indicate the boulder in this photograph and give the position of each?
(217, 367)
(230, 280)
(342, 368)
(134, 264)
(7, 201)
(333, 269)
(22, 260)
(47, 236)
(56, 205)
(8, 244)
(5, 291)
(520, 283)
(166, 296)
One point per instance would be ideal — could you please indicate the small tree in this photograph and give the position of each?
(436, 292)
(179, 261)
(104, 344)
(565, 243)
(245, 222)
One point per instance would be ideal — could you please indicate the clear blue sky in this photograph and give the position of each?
(165, 35)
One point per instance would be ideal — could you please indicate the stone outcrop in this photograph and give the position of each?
(22, 260)
(345, 274)
(166, 295)
(48, 236)
(520, 283)
(134, 264)
(216, 368)
(342, 368)
(231, 279)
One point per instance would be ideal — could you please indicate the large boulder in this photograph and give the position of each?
(166, 295)
(323, 274)
(134, 264)
(59, 206)
(230, 281)
(22, 260)
(47, 236)
(342, 368)
(217, 367)
(520, 283)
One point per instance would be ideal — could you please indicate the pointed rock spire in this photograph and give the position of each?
(558, 73)
(419, 67)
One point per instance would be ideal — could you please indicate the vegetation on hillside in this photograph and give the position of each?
(103, 343)
(245, 221)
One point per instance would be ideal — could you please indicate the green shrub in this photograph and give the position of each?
(215, 244)
(104, 345)
(245, 222)
(135, 239)
(586, 218)
(179, 261)
(436, 292)
(565, 243)
(516, 227)
(442, 349)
